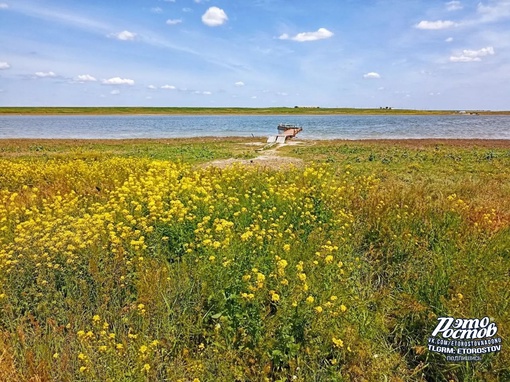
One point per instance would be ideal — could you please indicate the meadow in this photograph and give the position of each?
(136, 261)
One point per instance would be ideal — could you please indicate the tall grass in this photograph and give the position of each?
(124, 269)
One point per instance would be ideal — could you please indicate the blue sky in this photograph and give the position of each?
(256, 53)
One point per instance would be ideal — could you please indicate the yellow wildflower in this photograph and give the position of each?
(338, 342)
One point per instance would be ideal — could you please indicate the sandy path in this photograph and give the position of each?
(266, 158)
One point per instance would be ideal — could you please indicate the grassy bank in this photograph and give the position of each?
(217, 111)
(127, 261)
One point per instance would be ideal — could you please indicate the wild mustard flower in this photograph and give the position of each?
(275, 297)
(338, 342)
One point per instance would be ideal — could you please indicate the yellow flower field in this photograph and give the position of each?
(136, 269)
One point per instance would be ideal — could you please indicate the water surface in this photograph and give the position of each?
(314, 127)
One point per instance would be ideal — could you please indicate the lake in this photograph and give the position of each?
(314, 127)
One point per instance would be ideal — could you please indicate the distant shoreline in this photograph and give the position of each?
(39, 111)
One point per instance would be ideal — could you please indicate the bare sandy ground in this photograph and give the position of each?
(267, 158)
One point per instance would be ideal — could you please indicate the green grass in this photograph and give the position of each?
(187, 150)
(218, 111)
(127, 261)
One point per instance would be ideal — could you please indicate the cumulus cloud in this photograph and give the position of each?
(115, 92)
(473, 55)
(173, 21)
(118, 81)
(320, 34)
(156, 10)
(372, 75)
(85, 78)
(214, 17)
(454, 6)
(45, 74)
(4, 6)
(449, 39)
(239, 83)
(168, 87)
(4, 65)
(435, 25)
(152, 87)
(124, 36)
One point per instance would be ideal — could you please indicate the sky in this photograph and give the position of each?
(411, 54)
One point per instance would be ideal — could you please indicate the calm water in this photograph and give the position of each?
(314, 127)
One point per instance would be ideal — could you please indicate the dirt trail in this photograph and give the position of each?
(267, 158)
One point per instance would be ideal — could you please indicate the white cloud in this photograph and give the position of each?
(206, 92)
(372, 75)
(118, 81)
(124, 36)
(4, 6)
(435, 25)
(320, 34)
(239, 83)
(115, 92)
(45, 74)
(449, 39)
(454, 6)
(152, 87)
(173, 21)
(4, 65)
(473, 55)
(156, 10)
(85, 78)
(168, 87)
(500, 9)
(214, 17)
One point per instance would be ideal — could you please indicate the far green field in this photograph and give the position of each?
(220, 111)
